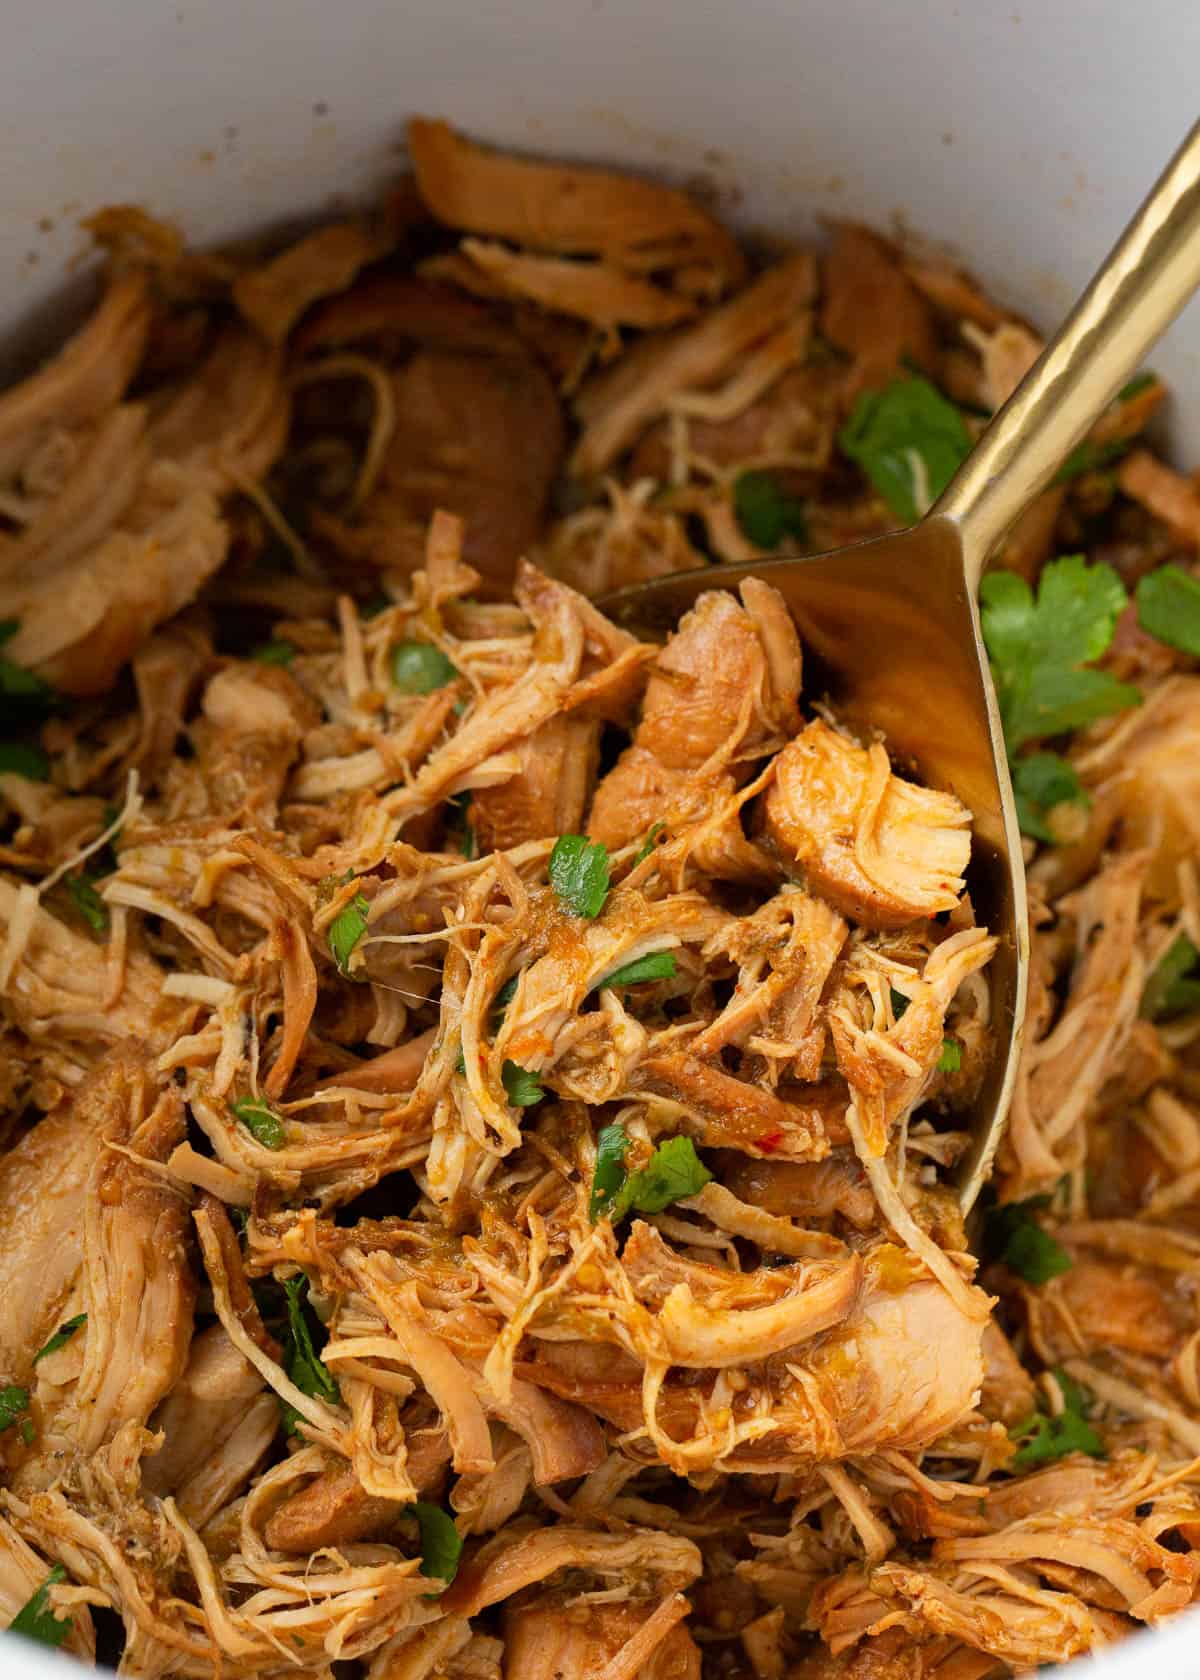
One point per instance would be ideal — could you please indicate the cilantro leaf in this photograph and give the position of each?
(909, 441)
(522, 1087)
(1039, 650)
(1168, 607)
(579, 874)
(950, 1059)
(1044, 1439)
(441, 1543)
(612, 1146)
(1173, 988)
(1139, 383)
(1012, 1235)
(1089, 456)
(658, 965)
(1040, 782)
(279, 652)
(61, 1336)
(648, 844)
(765, 511)
(346, 929)
(419, 667)
(899, 1002)
(35, 1619)
(18, 758)
(300, 1359)
(88, 902)
(261, 1121)
(24, 690)
(673, 1172)
(13, 1401)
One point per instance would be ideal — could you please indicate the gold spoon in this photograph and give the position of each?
(893, 622)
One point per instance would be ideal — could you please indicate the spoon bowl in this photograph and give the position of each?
(891, 625)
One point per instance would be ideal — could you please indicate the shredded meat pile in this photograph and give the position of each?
(480, 1093)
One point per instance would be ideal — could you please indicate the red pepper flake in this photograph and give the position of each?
(769, 1142)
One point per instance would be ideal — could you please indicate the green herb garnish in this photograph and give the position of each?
(61, 1336)
(1139, 383)
(1013, 1235)
(765, 511)
(88, 902)
(13, 1402)
(261, 1121)
(1040, 649)
(1046, 1439)
(346, 929)
(1173, 987)
(909, 441)
(299, 1351)
(441, 1543)
(419, 667)
(25, 690)
(579, 874)
(648, 844)
(950, 1059)
(274, 653)
(522, 1087)
(1168, 607)
(658, 965)
(899, 1002)
(1040, 782)
(673, 1172)
(18, 758)
(35, 1619)
(1088, 457)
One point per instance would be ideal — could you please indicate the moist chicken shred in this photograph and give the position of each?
(481, 1093)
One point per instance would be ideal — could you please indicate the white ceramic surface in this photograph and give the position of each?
(1020, 132)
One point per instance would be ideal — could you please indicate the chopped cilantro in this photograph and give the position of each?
(899, 1002)
(459, 825)
(261, 1121)
(299, 1351)
(1040, 650)
(1139, 383)
(88, 902)
(1173, 987)
(521, 1086)
(611, 1148)
(579, 874)
(1040, 782)
(909, 441)
(61, 1336)
(658, 965)
(1168, 607)
(18, 758)
(346, 929)
(1089, 457)
(274, 653)
(35, 1619)
(441, 1543)
(673, 1172)
(950, 1059)
(1012, 1235)
(503, 998)
(765, 511)
(419, 667)
(649, 843)
(24, 690)
(13, 1401)
(1044, 1439)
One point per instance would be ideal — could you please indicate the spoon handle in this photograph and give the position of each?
(1141, 286)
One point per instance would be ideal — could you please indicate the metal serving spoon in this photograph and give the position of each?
(893, 622)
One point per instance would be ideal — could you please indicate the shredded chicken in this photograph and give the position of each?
(482, 1092)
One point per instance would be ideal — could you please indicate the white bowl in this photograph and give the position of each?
(1019, 132)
